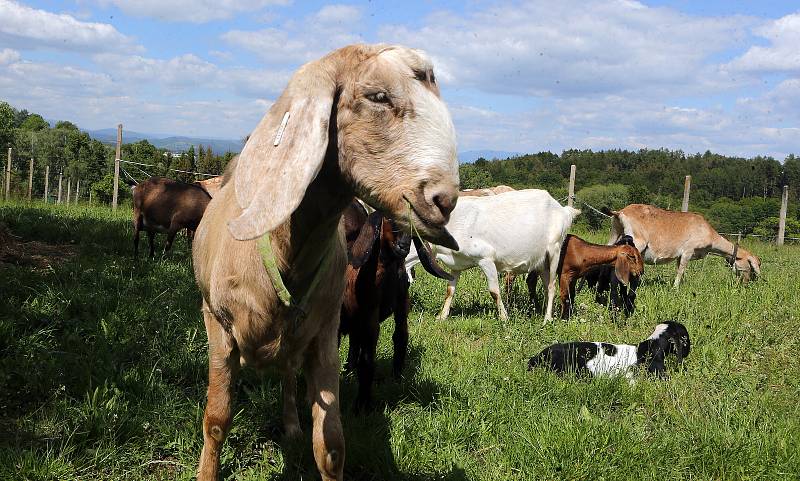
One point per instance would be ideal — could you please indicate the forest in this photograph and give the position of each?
(736, 194)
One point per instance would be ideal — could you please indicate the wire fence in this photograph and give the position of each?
(171, 170)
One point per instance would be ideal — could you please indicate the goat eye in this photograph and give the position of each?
(378, 97)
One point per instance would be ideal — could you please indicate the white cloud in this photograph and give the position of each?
(298, 42)
(575, 48)
(195, 11)
(8, 55)
(783, 53)
(27, 28)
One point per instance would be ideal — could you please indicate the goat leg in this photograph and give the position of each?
(366, 363)
(223, 366)
(400, 336)
(322, 378)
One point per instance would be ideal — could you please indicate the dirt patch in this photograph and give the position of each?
(34, 254)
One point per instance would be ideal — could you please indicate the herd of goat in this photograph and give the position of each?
(287, 261)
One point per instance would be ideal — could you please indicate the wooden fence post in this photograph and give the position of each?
(571, 196)
(116, 168)
(69, 189)
(8, 174)
(60, 178)
(30, 180)
(782, 220)
(46, 183)
(687, 185)
(77, 191)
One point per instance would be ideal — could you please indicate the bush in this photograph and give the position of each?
(769, 227)
(608, 197)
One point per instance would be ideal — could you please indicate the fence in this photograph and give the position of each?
(139, 167)
(71, 190)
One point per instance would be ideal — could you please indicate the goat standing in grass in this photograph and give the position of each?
(515, 232)
(270, 256)
(580, 258)
(166, 205)
(377, 287)
(663, 236)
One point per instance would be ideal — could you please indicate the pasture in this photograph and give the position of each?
(103, 373)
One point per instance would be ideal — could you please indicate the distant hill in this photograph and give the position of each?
(473, 155)
(170, 142)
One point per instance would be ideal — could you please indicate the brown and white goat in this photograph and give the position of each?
(377, 287)
(663, 236)
(579, 258)
(166, 205)
(363, 120)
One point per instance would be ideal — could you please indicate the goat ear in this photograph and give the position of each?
(622, 269)
(284, 153)
(428, 260)
(366, 240)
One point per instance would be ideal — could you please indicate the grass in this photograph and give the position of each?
(103, 375)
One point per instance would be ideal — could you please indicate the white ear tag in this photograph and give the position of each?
(279, 133)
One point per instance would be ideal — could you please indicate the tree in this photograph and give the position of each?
(7, 115)
(35, 123)
(66, 125)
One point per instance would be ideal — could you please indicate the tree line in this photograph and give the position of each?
(734, 193)
(68, 150)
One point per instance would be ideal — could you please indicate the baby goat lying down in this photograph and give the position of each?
(603, 359)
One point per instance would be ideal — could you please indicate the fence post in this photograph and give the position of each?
(46, 182)
(60, 178)
(69, 189)
(116, 167)
(687, 185)
(30, 180)
(782, 220)
(571, 196)
(77, 191)
(8, 174)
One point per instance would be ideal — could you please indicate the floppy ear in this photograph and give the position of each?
(622, 269)
(285, 152)
(366, 240)
(428, 260)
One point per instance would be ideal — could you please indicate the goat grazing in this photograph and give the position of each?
(166, 205)
(514, 232)
(579, 258)
(604, 280)
(376, 287)
(603, 359)
(269, 255)
(663, 236)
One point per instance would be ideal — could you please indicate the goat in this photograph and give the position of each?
(376, 287)
(579, 258)
(514, 232)
(211, 185)
(662, 236)
(603, 359)
(166, 205)
(270, 255)
(604, 280)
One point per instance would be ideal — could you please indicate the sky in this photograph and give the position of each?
(524, 76)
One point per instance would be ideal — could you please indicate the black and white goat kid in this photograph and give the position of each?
(603, 359)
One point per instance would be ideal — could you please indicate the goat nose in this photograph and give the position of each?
(445, 202)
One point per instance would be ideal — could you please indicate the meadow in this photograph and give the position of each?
(103, 375)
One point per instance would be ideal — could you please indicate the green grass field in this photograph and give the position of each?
(103, 376)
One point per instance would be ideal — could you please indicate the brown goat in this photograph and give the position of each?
(377, 287)
(363, 120)
(166, 205)
(579, 258)
(663, 236)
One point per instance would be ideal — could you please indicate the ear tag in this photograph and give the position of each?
(279, 133)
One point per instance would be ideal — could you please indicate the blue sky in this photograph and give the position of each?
(518, 76)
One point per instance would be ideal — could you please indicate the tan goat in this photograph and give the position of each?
(663, 236)
(363, 120)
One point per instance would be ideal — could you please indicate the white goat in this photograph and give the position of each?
(516, 232)
(663, 236)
